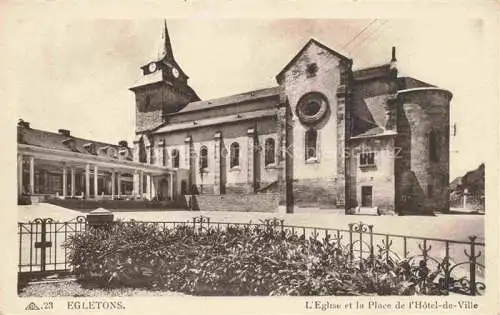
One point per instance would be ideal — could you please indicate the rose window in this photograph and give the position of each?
(312, 108)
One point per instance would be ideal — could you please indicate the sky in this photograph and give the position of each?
(76, 74)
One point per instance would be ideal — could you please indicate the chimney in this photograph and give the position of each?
(64, 132)
(23, 124)
(123, 143)
(394, 66)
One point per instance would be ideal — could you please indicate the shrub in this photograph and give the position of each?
(243, 260)
(23, 200)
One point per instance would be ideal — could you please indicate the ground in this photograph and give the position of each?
(70, 287)
(447, 226)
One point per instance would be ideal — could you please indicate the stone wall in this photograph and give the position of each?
(297, 82)
(239, 202)
(423, 183)
(326, 193)
(162, 99)
(380, 176)
(232, 179)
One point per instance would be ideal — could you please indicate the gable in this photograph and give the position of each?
(308, 49)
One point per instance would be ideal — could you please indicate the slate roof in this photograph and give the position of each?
(409, 83)
(375, 132)
(216, 121)
(148, 79)
(376, 106)
(57, 141)
(229, 100)
(371, 72)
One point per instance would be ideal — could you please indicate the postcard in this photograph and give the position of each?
(291, 162)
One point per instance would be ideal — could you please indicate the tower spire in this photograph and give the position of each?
(167, 46)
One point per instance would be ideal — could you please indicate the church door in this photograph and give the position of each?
(366, 196)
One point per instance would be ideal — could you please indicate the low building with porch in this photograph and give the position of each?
(62, 166)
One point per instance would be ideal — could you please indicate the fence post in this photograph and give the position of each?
(351, 253)
(425, 250)
(387, 248)
(360, 240)
(472, 266)
(372, 256)
(100, 218)
(446, 266)
(43, 244)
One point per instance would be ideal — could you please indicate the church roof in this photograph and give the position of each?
(148, 79)
(229, 100)
(372, 72)
(64, 142)
(218, 120)
(375, 132)
(309, 43)
(376, 106)
(409, 83)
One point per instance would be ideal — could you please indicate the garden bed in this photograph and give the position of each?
(239, 260)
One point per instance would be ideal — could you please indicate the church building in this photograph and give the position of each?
(326, 136)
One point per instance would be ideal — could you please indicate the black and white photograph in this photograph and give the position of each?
(322, 158)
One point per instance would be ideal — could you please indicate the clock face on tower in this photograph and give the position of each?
(152, 67)
(175, 72)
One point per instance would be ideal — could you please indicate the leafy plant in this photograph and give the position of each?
(238, 260)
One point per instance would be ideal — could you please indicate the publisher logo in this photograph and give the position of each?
(32, 307)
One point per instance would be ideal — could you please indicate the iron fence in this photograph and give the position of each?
(41, 244)
(460, 264)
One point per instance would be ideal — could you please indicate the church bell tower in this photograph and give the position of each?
(161, 89)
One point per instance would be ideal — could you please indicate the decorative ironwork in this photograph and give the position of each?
(81, 219)
(273, 222)
(201, 219)
(40, 248)
(41, 244)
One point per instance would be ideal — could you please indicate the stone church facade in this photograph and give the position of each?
(326, 136)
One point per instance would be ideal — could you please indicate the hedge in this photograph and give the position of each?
(238, 260)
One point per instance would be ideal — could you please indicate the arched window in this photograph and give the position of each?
(175, 158)
(434, 146)
(235, 155)
(311, 144)
(203, 157)
(269, 154)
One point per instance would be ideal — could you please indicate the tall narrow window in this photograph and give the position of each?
(147, 102)
(235, 155)
(311, 144)
(175, 158)
(203, 157)
(143, 157)
(165, 156)
(269, 151)
(434, 146)
(430, 191)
